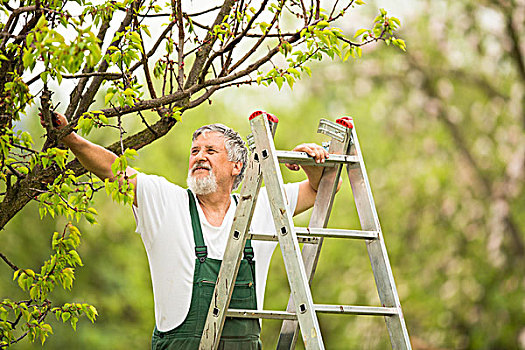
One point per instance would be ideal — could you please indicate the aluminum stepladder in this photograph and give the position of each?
(344, 149)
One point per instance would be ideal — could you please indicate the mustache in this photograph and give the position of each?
(200, 166)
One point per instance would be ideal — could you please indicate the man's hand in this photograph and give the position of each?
(59, 121)
(318, 153)
(308, 188)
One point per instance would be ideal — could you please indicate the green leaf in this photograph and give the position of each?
(42, 211)
(108, 97)
(47, 328)
(359, 32)
(322, 24)
(90, 218)
(290, 80)
(130, 153)
(294, 72)
(347, 54)
(15, 275)
(28, 58)
(135, 37)
(322, 37)
(307, 70)
(264, 26)
(279, 81)
(42, 22)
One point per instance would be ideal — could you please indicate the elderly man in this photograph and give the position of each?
(185, 233)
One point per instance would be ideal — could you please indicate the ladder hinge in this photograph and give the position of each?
(335, 131)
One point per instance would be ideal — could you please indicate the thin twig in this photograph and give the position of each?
(11, 265)
(105, 75)
(180, 24)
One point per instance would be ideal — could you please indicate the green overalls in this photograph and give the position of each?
(238, 333)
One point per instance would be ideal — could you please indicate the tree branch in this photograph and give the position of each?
(235, 41)
(87, 99)
(76, 94)
(200, 56)
(517, 55)
(11, 265)
(105, 75)
(256, 45)
(155, 46)
(180, 46)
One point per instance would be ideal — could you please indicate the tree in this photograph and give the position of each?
(116, 50)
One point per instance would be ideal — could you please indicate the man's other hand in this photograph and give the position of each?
(318, 153)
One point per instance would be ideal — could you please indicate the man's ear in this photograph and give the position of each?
(237, 167)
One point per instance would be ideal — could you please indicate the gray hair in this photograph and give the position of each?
(233, 143)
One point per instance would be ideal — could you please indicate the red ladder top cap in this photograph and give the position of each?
(346, 121)
(269, 116)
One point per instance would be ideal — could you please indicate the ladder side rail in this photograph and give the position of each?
(291, 252)
(318, 219)
(232, 257)
(381, 268)
(233, 253)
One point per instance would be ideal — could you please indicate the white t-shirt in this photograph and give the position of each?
(164, 223)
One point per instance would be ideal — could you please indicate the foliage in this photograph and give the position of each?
(117, 50)
(29, 316)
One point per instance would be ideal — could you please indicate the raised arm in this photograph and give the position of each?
(94, 158)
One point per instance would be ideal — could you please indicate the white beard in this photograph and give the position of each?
(202, 186)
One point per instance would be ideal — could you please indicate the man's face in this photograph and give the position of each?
(209, 155)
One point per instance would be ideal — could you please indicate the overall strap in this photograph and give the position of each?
(201, 251)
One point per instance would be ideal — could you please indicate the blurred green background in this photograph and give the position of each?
(441, 128)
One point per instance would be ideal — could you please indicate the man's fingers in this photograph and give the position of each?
(293, 167)
(55, 119)
(318, 153)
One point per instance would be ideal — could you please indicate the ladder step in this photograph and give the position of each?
(356, 310)
(330, 309)
(308, 239)
(311, 235)
(336, 233)
(303, 158)
(276, 315)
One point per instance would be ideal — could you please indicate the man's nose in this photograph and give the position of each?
(200, 156)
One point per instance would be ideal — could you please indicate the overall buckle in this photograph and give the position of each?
(201, 252)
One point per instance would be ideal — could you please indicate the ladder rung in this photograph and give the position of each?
(336, 233)
(303, 158)
(311, 235)
(356, 310)
(276, 315)
(330, 309)
(309, 239)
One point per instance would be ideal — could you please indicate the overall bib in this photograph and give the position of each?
(238, 333)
